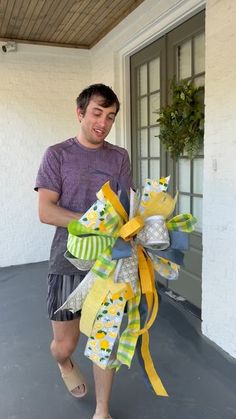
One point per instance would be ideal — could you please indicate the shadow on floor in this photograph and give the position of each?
(200, 378)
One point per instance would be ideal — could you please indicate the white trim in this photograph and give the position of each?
(162, 24)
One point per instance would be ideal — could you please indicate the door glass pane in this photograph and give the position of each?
(143, 112)
(184, 60)
(143, 80)
(198, 176)
(184, 175)
(144, 143)
(197, 212)
(154, 144)
(154, 106)
(199, 53)
(144, 171)
(154, 169)
(154, 75)
(184, 204)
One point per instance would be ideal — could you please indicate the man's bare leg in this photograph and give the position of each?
(65, 339)
(103, 384)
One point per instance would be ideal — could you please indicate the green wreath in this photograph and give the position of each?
(182, 122)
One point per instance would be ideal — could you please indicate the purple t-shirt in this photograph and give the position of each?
(77, 173)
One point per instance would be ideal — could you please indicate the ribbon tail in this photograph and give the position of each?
(149, 291)
(150, 369)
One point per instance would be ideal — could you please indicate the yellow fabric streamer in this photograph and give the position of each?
(94, 300)
(150, 369)
(91, 306)
(148, 289)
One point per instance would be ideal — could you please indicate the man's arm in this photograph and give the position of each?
(51, 213)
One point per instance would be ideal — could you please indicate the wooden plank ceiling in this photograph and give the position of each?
(66, 23)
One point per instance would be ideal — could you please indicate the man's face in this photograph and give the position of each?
(96, 123)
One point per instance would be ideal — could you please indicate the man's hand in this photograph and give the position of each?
(51, 213)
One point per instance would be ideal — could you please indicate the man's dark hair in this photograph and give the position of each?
(109, 97)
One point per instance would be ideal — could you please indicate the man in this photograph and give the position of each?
(69, 176)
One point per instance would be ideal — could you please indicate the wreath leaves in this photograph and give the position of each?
(182, 122)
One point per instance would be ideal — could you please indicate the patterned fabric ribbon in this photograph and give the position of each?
(182, 222)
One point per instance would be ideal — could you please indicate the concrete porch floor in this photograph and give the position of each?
(199, 377)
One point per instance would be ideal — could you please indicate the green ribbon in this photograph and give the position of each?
(182, 222)
(88, 247)
(86, 243)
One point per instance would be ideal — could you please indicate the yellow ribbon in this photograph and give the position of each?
(148, 288)
(114, 200)
(131, 228)
(150, 369)
(95, 299)
(147, 280)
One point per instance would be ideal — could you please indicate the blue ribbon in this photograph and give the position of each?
(179, 240)
(121, 249)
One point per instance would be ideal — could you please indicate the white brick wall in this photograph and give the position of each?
(219, 204)
(37, 108)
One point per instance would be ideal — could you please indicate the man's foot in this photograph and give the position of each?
(74, 380)
(97, 416)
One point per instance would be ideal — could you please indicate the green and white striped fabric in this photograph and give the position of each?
(90, 247)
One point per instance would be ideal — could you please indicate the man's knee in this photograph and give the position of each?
(63, 348)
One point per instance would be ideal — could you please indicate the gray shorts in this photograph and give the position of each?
(59, 289)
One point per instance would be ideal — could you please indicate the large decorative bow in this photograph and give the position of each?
(120, 252)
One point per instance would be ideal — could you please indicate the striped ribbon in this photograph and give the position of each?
(89, 247)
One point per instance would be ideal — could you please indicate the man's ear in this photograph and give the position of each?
(79, 114)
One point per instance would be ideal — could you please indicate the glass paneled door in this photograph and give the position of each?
(147, 75)
(179, 54)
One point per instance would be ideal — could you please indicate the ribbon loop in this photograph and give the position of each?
(114, 200)
(131, 228)
(182, 222)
